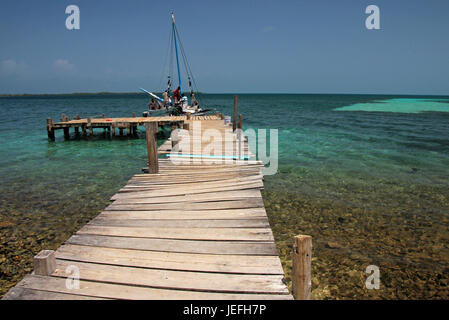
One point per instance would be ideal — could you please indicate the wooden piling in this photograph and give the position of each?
(89, 124)
(302, 267)
(44, 263)
(151, 130)
(234, 120)
(77, 130)
(50, 129)
(240, 125)
(66, 133)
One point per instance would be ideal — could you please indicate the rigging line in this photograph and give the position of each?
(165, 62)
(187, 65)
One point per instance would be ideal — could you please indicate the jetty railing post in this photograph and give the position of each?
(45, 263)
(239, 137)
(151, 130)
(134, 126)
(89, 124)
(234, 120)
(50, 129)
(302, 267)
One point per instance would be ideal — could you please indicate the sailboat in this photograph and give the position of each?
(176, 102)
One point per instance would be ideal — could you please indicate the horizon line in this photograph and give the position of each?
(228, 93)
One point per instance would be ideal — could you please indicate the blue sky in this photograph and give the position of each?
(302, 46)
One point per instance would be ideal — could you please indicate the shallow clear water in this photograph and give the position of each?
(371, 187)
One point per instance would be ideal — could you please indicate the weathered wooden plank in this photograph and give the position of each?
(231, 214)
(172, 260)
(193, 161)
(21, 293)
(231, 204)
(192, 180)
(169, 279)
(183, 246)
(170, 173)
(202, 185)
(197, 197)
(172, 223)
(169, 192)
(232, 234)
(118, 291)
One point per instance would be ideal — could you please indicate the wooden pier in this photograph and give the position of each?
(129, 125)
(195, 228)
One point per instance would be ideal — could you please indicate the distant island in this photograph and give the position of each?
(66, 94)
(76, 94)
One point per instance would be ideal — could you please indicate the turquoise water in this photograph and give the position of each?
(404, 105)
(370, 186)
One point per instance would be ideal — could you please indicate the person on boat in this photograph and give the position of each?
(152, 105)
(184, 103)
(194, 102)
(166, 97)
(177, 95)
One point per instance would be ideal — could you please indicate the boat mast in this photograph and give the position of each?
(176, 48)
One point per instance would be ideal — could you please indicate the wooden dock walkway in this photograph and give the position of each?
(130, 124)
(197, 229)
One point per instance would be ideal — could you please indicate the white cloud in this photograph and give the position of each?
(62, 64)
(11, 67)
(268, 29)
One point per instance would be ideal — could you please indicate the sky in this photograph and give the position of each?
(245, 46)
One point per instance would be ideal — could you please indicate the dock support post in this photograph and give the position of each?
(45, 263)
(121, 131)
(151, 130)
(83, 128)
(77, 131)
(302, 267)
(50, 129)
(89, 124)
(113, 130)
(236, 106)
(67, 133)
